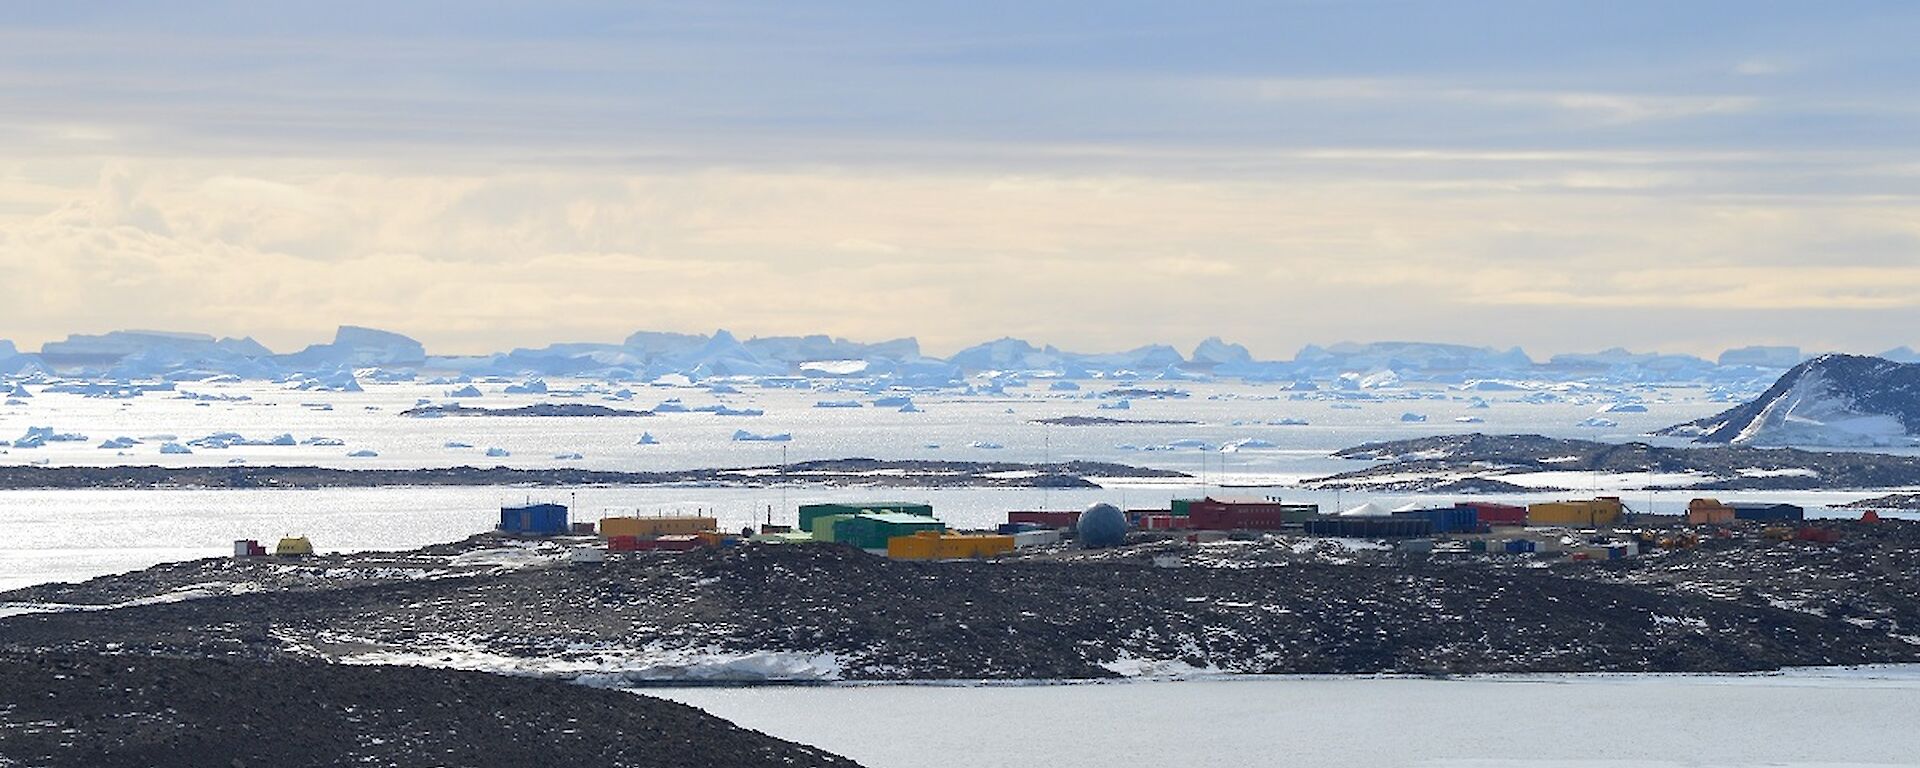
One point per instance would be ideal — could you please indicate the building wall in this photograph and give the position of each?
(647, 527)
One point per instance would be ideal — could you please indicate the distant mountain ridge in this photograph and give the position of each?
(1831, 400)
(649, 355)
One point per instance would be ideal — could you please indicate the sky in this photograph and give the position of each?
(1562, 176)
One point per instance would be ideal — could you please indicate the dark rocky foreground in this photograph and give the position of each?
(1460, 463)
(96, 711)
(845, 472)
(1280, 605)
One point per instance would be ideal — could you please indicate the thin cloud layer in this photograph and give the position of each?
(476, 175)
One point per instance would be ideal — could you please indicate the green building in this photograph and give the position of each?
(810, 511)
(823, 526)
(871, 531)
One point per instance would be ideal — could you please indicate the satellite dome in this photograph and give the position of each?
(1102, 525)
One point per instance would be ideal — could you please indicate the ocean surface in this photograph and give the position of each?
(1803, 718)
(1826, 719)
(73, 535)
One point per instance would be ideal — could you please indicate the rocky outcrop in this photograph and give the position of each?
(1831, 400)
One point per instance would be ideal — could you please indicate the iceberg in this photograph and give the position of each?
(910, 408)
(456, 444)
(837, 404)
(745, 436)
(466, 391)
(1247, 443)
(647, 438)
(1597, 422)
(1413, 417)
(323, 441)
(1623, 408)
(362, 454)
(174, 448)
(40, 436)
(1117, 405)
(498, 453)
(1063, 386)
(567, 457)
(985, 445)
(528, 387)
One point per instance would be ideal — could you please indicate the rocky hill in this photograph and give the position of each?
(1831, 400)
(835, 613)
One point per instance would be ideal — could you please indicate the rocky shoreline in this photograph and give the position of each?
(844, 472)
(1462, 463)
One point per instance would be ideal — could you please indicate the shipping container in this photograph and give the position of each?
(810, 511)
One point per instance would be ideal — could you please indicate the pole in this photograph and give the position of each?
(1046, 458)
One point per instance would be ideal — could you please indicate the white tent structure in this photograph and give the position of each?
(1368, 509)
(1411, 506)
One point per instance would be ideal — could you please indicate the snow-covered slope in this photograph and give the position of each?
(1831, 400)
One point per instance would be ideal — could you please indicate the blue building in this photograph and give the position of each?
(537, 519)
(1769, 513)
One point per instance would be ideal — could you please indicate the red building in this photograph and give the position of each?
(1497, 514)
(1212, 514)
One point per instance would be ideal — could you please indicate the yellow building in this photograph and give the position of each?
(1708, 512)
(293, 546)
(929, 545)
(650, 527)
(1603, 511)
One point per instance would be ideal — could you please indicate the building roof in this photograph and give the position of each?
(896, 518)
